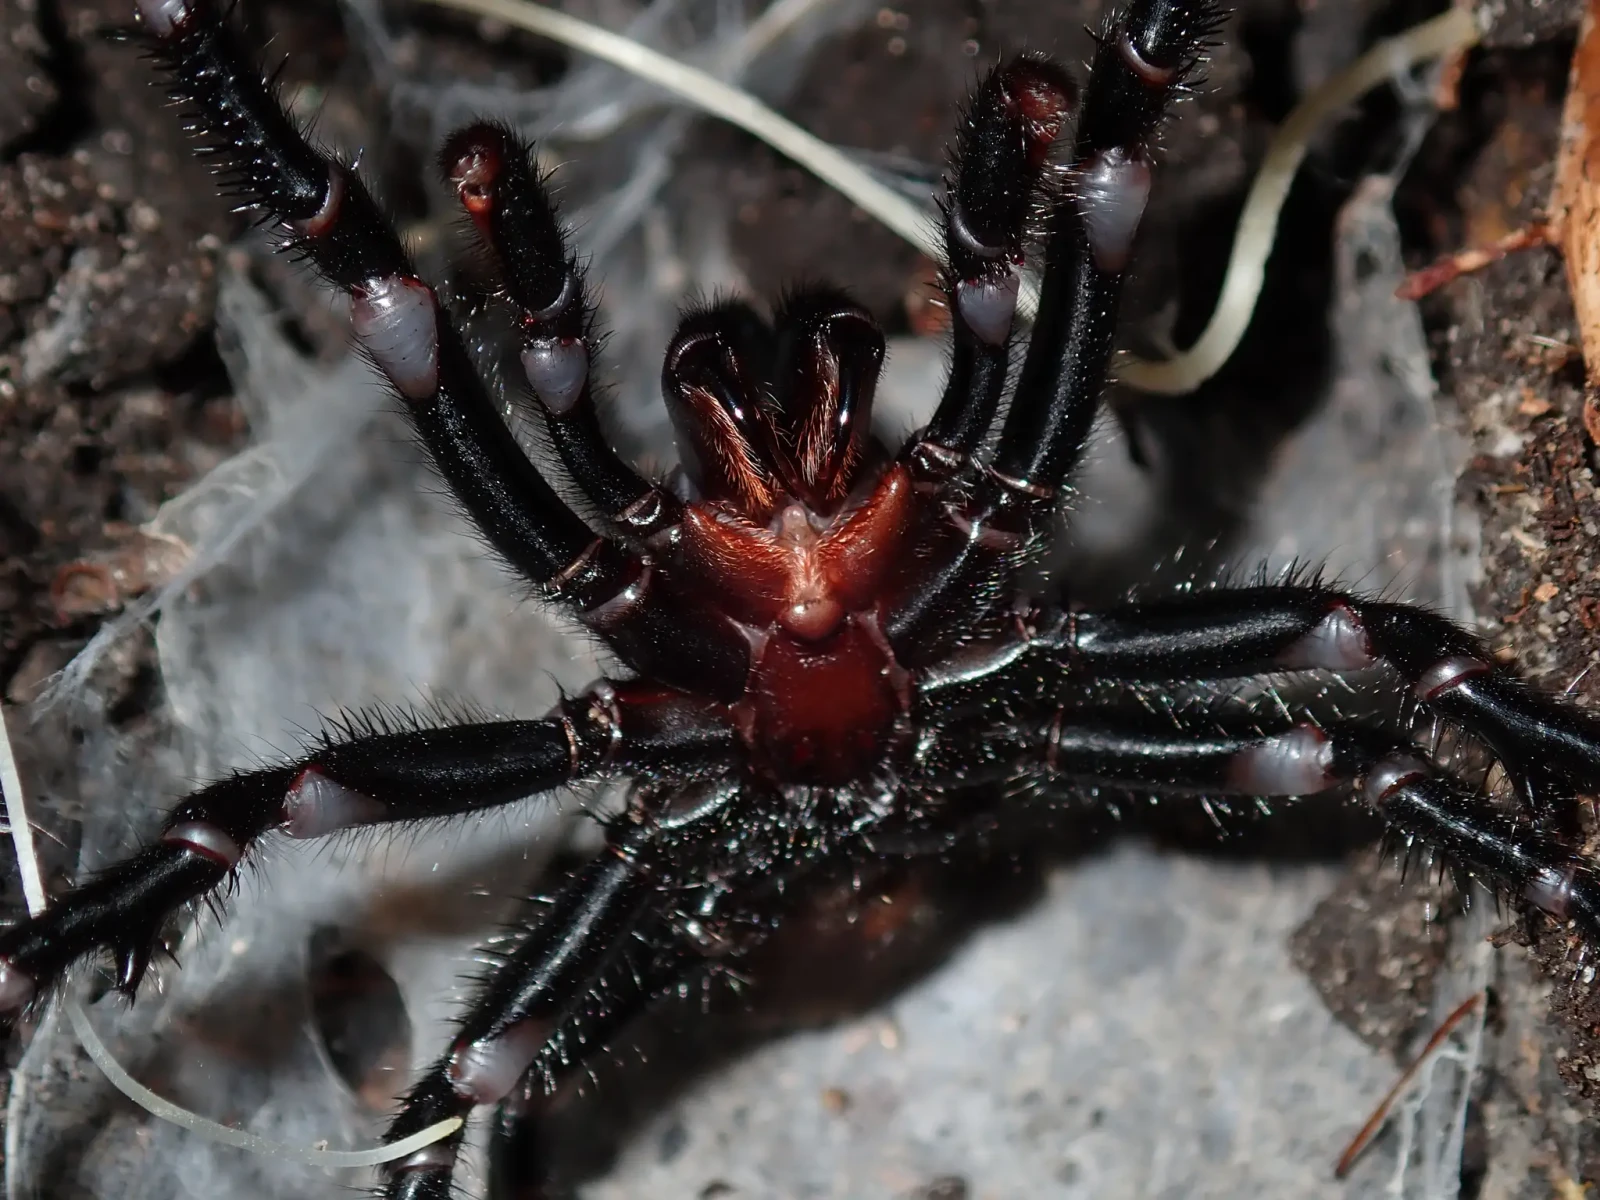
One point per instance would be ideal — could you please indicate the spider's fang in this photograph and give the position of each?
(395, 320)
(207, 840)
(1338, 642)
(486, 1070)
(987, 306)
(1447, 674)
(1296, 763)
(1110, 192)
(315, 805)
(557, 369)
(17, 987)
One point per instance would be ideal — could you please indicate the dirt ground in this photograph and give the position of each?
(113, 395)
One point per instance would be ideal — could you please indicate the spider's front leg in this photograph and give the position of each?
(329, 217)
(407, 775)
(995, 511)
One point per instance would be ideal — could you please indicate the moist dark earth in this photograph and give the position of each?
(113, 396)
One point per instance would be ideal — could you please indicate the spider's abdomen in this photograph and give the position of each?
(824, 691)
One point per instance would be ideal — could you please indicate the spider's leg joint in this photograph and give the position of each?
(987, 306)
(1110, 191)
(621, 604)
(1389, 774)
(206, 839)
(1551, 890)
(1023, 487)
(324, 219)
(440, 1156)
(1148, 73)
(1448, 674)
(485, 1070)
(961, 230)
(1297, 763)
(315, 805)
(1338, 642)
(396, 320)
(557, 368)
(972, 662)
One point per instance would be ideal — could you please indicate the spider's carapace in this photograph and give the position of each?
(797, 523)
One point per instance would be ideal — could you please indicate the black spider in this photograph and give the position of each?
(832, 663)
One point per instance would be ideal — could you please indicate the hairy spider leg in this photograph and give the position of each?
(493, 172)
(518, 1008)
(1546, 746)
(577, 979)
(371, 778)
(1146, 53)
(332, 221)
(1203, 754)
(992, 189)
(518, 1152)
(1144, 58)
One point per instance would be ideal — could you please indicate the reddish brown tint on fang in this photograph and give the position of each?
(713, 381)
(830, 352)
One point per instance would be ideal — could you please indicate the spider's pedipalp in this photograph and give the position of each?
(495, 177)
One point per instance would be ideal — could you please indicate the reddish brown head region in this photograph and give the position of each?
(800, 523)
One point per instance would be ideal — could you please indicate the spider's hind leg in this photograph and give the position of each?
(1202, 753)
(1550, 748)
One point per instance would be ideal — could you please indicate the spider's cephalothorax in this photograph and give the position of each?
(828, 657)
